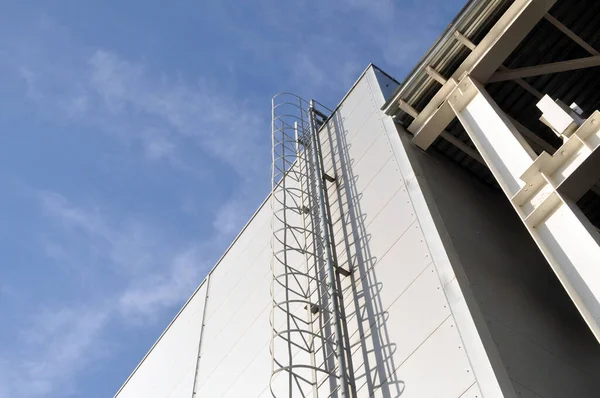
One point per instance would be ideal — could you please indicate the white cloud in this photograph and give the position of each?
(30, 81)
(159, 113)
(122, 248)
(131, 247)
(230, 217)
(57, 344)
(151, 271)
(60, 340)
(158, 145)
(91, 222)
(147, 296)
(219, 124)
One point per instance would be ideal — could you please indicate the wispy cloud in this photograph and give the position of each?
(166, 270)
(219, 125)
(124, 248)
(124, 269)
(57, 344)
(161, 114)
(61, 339)
(147, 296)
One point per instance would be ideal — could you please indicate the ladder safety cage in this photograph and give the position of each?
(306, 342)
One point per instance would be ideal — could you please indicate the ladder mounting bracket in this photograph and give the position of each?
(328, 177)
(343, 271)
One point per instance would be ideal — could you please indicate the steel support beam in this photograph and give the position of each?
(534, 185)
(469, 44)
(546, 69)
(571, 34)
(542, 145)
(516, 23)
(462, 146)
(520, 18)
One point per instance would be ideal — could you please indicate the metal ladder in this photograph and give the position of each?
(307, 349)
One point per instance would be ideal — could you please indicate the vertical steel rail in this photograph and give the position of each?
(285, 257)
(324, 232)
(309, 314)
(194, 385)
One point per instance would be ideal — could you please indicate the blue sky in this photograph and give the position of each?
(134, 145)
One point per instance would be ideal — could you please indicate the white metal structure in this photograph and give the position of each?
(462, 207)
(533, 183)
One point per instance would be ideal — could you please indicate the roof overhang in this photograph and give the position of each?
(519, 50)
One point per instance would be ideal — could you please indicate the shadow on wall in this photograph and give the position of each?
(369, 346)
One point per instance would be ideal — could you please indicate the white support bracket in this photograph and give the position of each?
(542, 190)
(435, 75)
(561, 119)
(464, 40)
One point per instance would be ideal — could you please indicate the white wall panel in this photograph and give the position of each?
(473, 392)
(402, 330)
(544, 346)
(395, 302)
(168, 369)
(401, 265)
(399, 328)
(252, 382)
(438, 368)
(531, 365)
(240, 308)
(227, 362)
(229, 273)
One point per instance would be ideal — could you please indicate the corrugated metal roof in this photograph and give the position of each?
(545, 44)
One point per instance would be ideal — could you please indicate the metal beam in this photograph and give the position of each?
(406, 107)
(470, 45)
(532, 137)
(462, 146)
(546, 69)
(571, 34)
(568, 240)
(520, 18)
(542, 145)
(502, 39)
(435, 75)
(528, 87)
(464, 40)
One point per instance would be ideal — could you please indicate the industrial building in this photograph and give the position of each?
(436, 237)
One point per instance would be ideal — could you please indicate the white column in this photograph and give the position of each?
(568, 240)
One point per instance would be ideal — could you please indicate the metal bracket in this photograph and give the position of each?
(342, 271)
(320, 114)
(303, 142)
(329, 178)
(314, 308)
